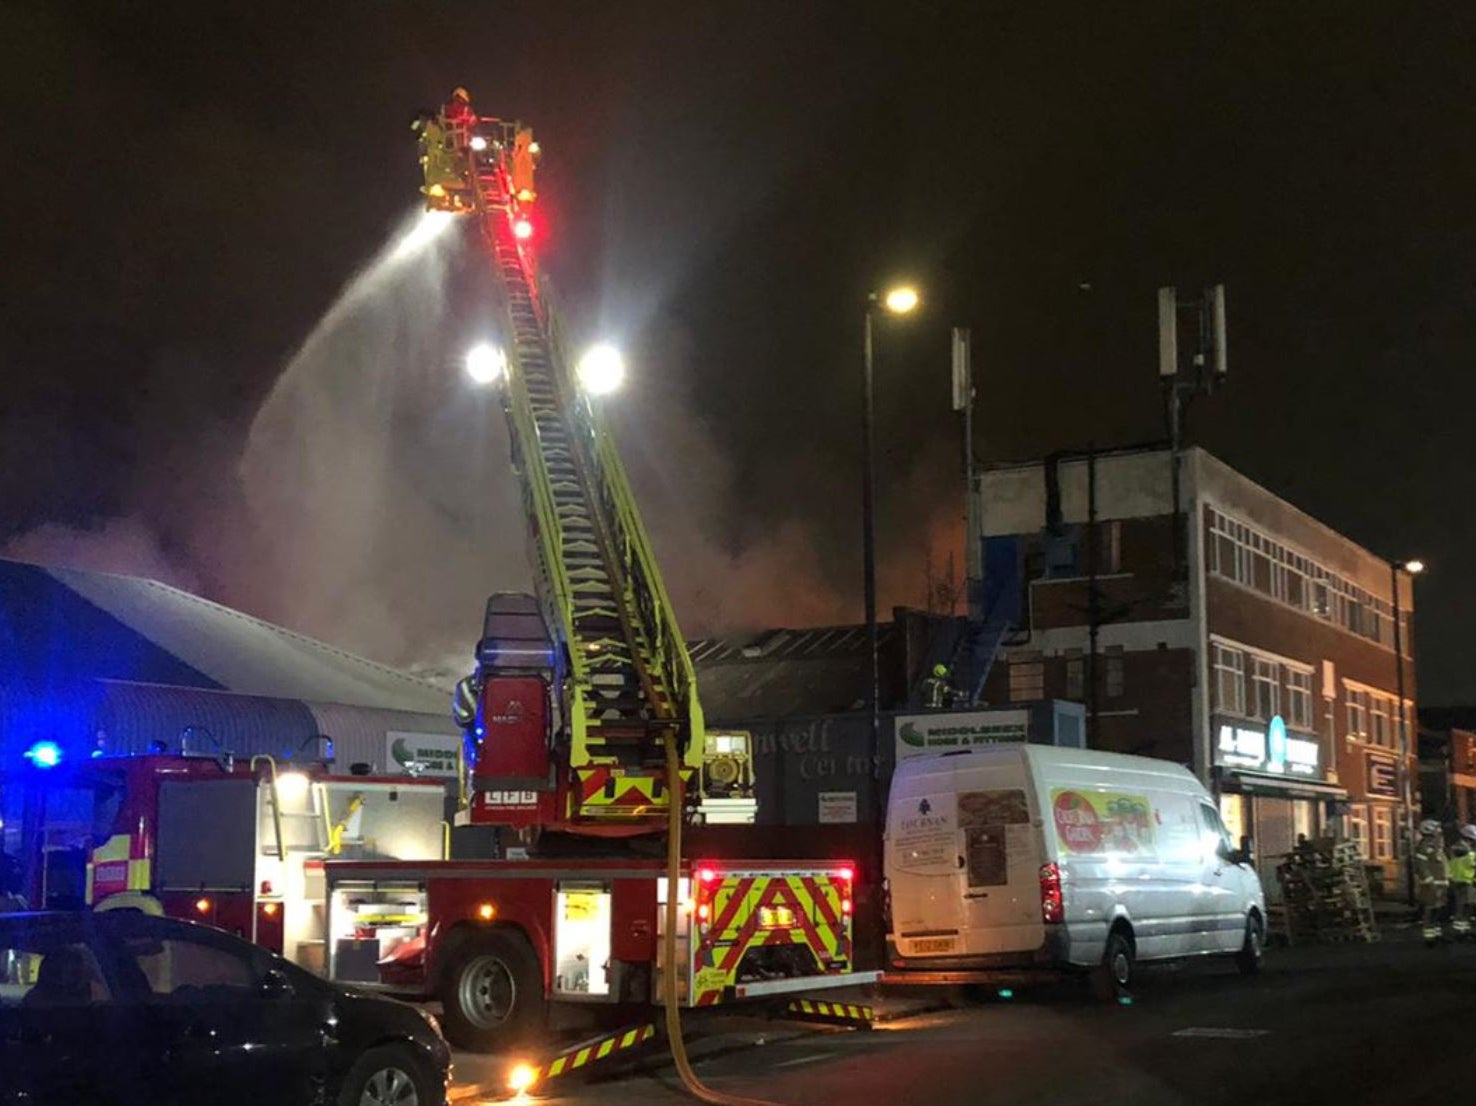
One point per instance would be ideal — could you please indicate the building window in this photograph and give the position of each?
(1358, 713)
(1109, 546)
(1358, 826)
(1383, 832)
(1298, 699)
(1075, 675)
(1378, 712)
(1229, 679)
(1114, 672)
(1265, 689)
(1250, 558)
(1027, 680)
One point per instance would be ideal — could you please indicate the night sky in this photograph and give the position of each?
(189, 187)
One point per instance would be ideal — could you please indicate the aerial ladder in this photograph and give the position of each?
(578, 688)
(582, 722)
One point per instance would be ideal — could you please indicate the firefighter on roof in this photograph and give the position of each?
(937, 686)
(1431, 879)
(1462, 871)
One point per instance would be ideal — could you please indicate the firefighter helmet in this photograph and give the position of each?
(461, 94)
(940, 670)
(1429, 827)
(1469, 833)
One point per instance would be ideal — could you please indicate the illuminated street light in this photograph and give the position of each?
(901, 300)
(601, 370)
(485, 363)
(1406, 749)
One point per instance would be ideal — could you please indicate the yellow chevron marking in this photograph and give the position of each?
(606, 1047)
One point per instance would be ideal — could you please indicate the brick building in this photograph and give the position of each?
(1447, 745)
(1250, 642)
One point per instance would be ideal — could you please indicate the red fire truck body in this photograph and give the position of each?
(237, 844)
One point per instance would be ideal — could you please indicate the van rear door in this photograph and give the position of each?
(1001, 850)
(924, 878)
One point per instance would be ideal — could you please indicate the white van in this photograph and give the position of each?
(1036, 857)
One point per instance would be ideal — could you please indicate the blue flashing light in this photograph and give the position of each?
(96, 753)
(44, 754)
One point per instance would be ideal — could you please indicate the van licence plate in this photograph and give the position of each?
(922, 946)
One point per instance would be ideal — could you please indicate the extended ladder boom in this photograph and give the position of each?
(626, 674)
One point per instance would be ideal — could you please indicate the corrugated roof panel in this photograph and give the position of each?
(245, 654)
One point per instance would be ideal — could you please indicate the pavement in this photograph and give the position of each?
(1370, 1024)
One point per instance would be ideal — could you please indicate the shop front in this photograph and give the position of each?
(1274, 785)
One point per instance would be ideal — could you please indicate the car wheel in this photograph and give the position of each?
(390, 1075)
(1248, 959)
(491, 992)
(1112, 978)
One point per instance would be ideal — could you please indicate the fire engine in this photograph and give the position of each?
(586, 744)
(204, 836)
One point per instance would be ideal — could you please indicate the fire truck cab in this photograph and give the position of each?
(234, 843)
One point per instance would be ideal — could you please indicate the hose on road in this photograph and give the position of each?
(695, 1087)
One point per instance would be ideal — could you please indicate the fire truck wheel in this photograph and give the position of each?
(492, 992)
(390, 1075)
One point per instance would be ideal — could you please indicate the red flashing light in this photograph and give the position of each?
(702, 911)
(706, 875)
(270, 909)
(847, 874)
(202, 906)
(846, 905)
(522, 228)
(1052, 907)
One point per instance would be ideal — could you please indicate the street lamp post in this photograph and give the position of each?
(901, 300)
(1414, 568)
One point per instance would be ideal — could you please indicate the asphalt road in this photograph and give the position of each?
(1353, 1024)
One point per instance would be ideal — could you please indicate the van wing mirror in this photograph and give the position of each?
(1243, 855)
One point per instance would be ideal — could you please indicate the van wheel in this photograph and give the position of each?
(1248, 959)
(492, 992)
(1112, 978)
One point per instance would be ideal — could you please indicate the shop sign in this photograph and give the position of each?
(1382, 775)
(946, 730)
(1270, 749)
(423, 754)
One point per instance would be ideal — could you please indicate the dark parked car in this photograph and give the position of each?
(120, 1007)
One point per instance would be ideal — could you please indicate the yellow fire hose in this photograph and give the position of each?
(669, 973)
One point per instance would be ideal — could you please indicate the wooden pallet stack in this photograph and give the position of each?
(1325, 894)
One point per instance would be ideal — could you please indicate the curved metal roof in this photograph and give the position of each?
(66, 625)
